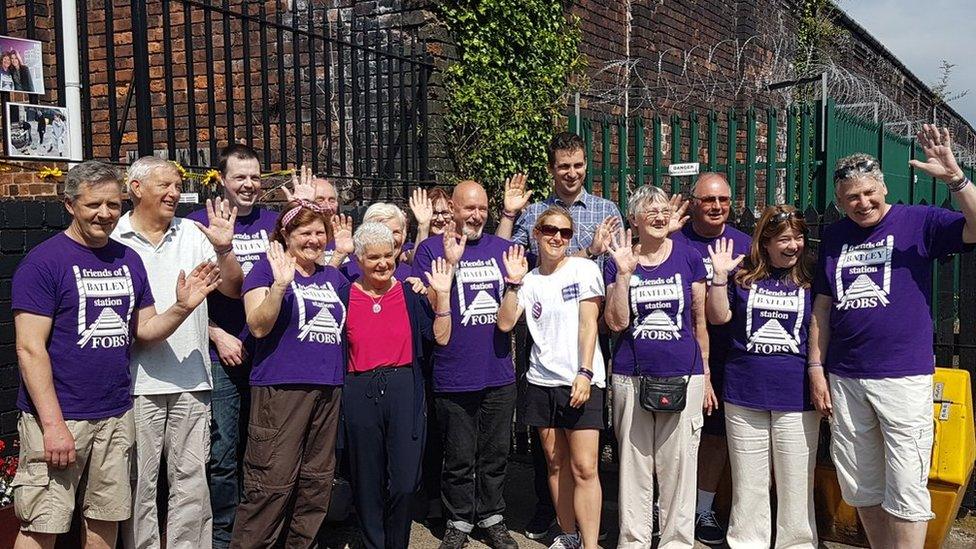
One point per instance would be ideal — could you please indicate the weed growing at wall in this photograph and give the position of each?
(518, 60)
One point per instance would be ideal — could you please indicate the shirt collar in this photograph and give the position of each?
(125, 228)
(582, 199)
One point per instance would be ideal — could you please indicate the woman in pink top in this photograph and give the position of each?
(383, 397)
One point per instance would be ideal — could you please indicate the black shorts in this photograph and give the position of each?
(549, 407)
(715, 424)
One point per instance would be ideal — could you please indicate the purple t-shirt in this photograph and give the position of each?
(352, 271)
(305, 344)
(719, 337)
(879, 280)
(661, 336)
(90, 294)
(766, 365)
(479, 355)
(251, 234)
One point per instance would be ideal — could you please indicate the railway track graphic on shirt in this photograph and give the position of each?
(657, 305)
(110, 292)
(867, 269)
(479, 286)
(773, 311)
(323, 326)
(248, 248)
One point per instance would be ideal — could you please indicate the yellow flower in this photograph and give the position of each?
(180, 169)
(49, 172)
(210, 179)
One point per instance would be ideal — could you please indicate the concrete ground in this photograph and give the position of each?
(520, 499)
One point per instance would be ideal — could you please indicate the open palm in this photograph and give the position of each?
(192, 289)
(282, 265)
(940, 162)
(622, 251)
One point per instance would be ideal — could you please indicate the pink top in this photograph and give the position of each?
(378, 339)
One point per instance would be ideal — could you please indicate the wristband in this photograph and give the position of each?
(954, 188)
(508, 215)
(814, 365)
(588, 374)
(225, 251)
(443, 314)
(717, 285)
(513, 286)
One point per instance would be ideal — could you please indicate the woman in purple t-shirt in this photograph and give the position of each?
(769, 417)
(295, 313)
(656, 298)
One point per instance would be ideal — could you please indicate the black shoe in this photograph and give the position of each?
(454, 539)
(540, 524)
(499, 538)
(708, 530)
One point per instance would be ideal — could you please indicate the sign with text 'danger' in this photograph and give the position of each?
(687, 168)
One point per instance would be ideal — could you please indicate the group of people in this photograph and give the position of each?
(284, 336)
(14, 74)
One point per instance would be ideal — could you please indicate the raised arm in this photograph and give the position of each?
(342, 236)
(516, 266)
(32, 332)
(817, 352)
(423, 210)
(262, 305)
(516, 198)
(220, 232)
(440, 277)
(717, 302)
(617, 314)
(941, 164)
(191, 290)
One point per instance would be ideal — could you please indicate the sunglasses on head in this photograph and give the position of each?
(864, 166)
(550, 231)
(783, 216)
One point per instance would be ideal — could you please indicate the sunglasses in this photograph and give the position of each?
(864, 166)
(550, 231)
(722, 200)
(783, 216)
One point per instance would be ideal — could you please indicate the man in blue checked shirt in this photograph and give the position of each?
(595, 219)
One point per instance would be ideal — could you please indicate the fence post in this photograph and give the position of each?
(639, 152)
(771, 140)
(805, 159)
(675, 150)
(140, 61)
(622, 161)
(712, 141)
(751, 159)
(790, 152)
(731, 141)
(588, 143)
(605, 172)
(656, 173)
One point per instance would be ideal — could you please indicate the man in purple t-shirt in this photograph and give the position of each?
(711, 200)
(79, 300)
(473, 375)
(872, 331)
(231, 344)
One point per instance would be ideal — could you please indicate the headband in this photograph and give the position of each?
(302, 203)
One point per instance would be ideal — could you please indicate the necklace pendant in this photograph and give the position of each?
(377, 308)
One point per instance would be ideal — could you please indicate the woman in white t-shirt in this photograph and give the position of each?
(565, 395)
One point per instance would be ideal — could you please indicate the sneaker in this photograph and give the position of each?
(540, 524)
(499, 538)
(708, 530)
(454, 539)
(656, 522)
(567, 541)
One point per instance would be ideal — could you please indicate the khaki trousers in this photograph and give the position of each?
(761, 442)
(664, 444)
(176, 426)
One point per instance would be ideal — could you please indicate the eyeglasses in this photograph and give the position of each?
(550, 231)
(655, 213)
(783, 216)
(864, 166)
(721, 200)
(441, 213)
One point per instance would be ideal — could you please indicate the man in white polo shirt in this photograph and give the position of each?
(172, 379)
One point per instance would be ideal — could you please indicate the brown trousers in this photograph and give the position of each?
(291, 439)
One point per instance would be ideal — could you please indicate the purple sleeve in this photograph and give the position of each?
(422, 259)
(697, 264)
(199, 215)
(34, 289)
(609, 271)
(260, 276)
(943, 232)
(821, 284)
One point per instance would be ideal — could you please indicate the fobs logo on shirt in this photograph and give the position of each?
(250, 248)
(108, 296)
(657, 305)
(773, 320)
(863, 275)
(479, 285)
(321, 314)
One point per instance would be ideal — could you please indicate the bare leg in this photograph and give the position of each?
(100, 534)
(34, 540)
(905, 534)
(556, 449)
(584, 450)
(875, 522)
(713, 454)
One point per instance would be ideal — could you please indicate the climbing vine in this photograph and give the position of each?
(518, 60)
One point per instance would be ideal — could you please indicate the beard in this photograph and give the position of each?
(471, 232)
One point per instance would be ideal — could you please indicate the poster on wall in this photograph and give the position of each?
(21, 65)
(37, 131)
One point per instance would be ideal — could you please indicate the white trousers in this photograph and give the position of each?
(663, 444)
(176, 426)
(762, 442)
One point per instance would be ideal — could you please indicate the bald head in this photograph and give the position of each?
(709, 184)
(469, 203)
(710, 204)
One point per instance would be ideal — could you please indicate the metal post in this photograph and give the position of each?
(140, 60)
(72, 77)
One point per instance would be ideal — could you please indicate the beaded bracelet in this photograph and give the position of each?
(958, 186)
(588, 374)
(443, 314)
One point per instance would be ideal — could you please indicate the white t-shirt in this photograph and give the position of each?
(552, 310)
(181, 363)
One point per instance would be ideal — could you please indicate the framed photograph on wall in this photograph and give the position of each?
(37, 131)
(21, 65)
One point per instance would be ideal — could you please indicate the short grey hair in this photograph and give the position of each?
(383, 211)
(855, 166)
(144, 167)
(92, 172)
(369, 234)
(643, 196)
